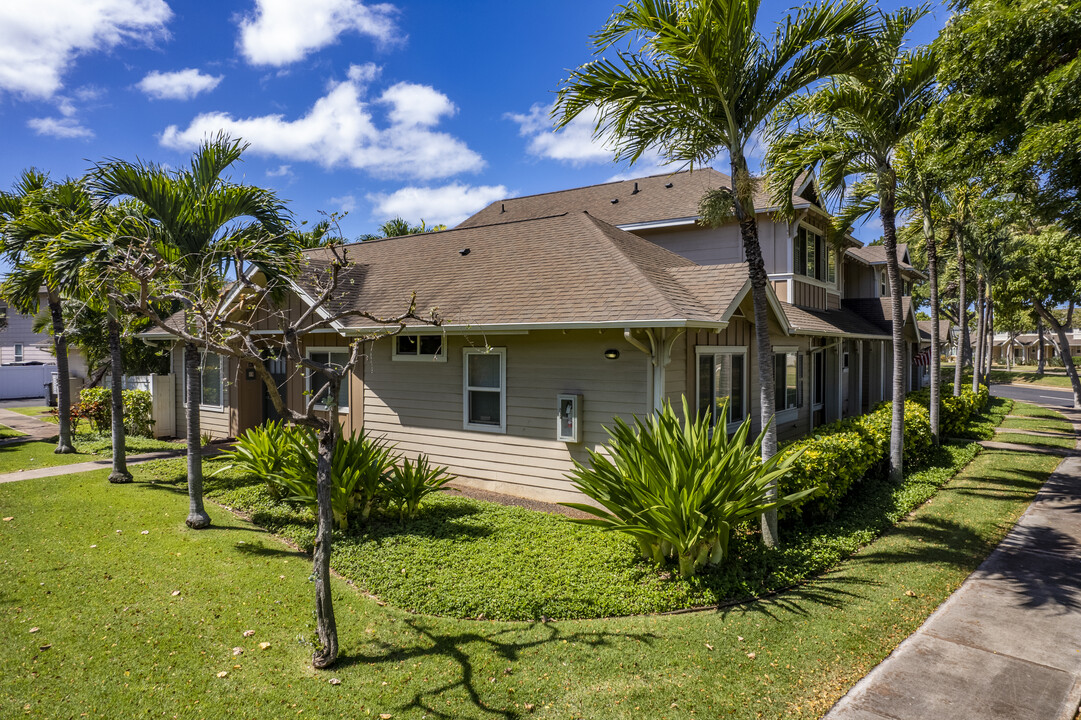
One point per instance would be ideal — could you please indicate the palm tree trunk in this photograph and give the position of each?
(962, 314)
(197, 517)
(326, 626)
(887, 212)
(63, 390)
(981, 324)
(936, 362)
(1040, 353)
(1067, 356)
(990, 335)
(756, 268)
(120, 472)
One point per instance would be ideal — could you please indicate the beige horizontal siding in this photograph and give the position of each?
(418, 406)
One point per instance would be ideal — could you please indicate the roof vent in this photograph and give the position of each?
(615, 200)
(502, 207)
(635, 191)
(668, 185)
(463, 252)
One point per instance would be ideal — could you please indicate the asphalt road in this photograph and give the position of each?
(1054, 397)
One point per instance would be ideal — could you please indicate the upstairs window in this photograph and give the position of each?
(812, 257)
(419, 347)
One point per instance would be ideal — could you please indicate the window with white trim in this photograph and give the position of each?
(787, 380)
(18, 352)
(883, 284)
(812, 256)
(314, 381)
(484, 390)
(722, 376)
(419, 347)
(212, 367)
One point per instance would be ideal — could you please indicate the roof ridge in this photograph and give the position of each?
(609, 182)
(605, 228)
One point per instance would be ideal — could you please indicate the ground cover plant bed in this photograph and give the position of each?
(469, 558)
(39, 453)
(122, 644)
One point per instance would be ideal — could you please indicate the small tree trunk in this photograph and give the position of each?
(63, 391)
(936, 362)
(326, 626)
(197, 517)
(990, 352)
(120, 472)
(962, 314)
(887, 212)
(1067, 356)
(756, 268)
(1040, 359)
(977, 365)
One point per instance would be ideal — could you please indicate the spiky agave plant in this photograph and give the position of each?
(677, 486)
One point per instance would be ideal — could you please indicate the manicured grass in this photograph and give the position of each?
(1045, 424)
(469, 558)
(38, 454)
(1042, 440)
(1034, 411)
(1059, 379)
(42, 412)
(6, 432)
(121, 645)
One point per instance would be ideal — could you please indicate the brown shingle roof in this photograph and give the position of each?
(925, 329)
(669, 196)
(566, 270)
(877, 311)
(830, 322)
(874, 255)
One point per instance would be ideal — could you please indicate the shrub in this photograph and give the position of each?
(831, 460)
(358, 471)
(955, 412)
(411, 482)
(260, 451)
(96, 405)
(677, 487)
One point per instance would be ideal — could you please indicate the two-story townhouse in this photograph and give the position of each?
(565, 310)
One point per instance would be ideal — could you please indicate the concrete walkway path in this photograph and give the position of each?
(89, 465)
(33, 428)
(1007, 644)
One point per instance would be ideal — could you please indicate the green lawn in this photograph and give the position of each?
(38, 454)
(121, 644)
(6, 432)
(1025, 439)
(1059, 380)
(42, 412)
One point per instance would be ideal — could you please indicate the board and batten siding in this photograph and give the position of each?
(419, 406)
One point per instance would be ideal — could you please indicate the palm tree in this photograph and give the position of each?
(34, 217)
(701, 80)
(961, 201)
(195, 220)
(854, 125)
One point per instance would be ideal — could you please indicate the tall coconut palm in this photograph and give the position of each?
(853, 125)
(34, 217)
(196, 219)
(700, 80)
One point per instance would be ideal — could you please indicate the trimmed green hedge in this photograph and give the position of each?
(840, 454)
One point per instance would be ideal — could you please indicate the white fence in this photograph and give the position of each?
(24, 381)
(163, 390)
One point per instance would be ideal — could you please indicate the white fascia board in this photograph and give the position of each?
(657, 224)
(451, 328)
(337, 325)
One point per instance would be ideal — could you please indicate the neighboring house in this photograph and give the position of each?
(565, 310)
(23, 353)
(1023, 348)
(946, 341)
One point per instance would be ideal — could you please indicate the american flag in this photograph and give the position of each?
(922, 358)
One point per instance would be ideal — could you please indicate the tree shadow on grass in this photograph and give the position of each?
(932, 541)
(508, 644)
(832, 591)
(277, 550)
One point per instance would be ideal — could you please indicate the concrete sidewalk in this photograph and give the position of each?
(1007, 644)
(33, 428)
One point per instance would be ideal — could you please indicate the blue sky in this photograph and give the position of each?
(421, 108)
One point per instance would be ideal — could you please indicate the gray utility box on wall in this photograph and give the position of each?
(569, 421)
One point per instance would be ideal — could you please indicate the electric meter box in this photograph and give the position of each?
(569, 427)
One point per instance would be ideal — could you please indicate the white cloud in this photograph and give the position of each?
(66, 127)
(280, 32)
(448, 205)
(280, 171)
(180, 85)
(39, 40)
(345, 203)
(340, 129)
